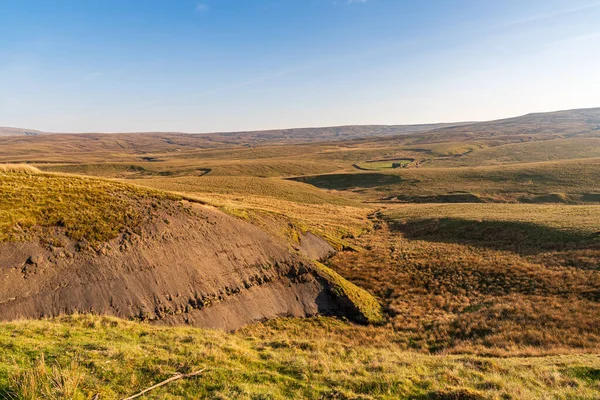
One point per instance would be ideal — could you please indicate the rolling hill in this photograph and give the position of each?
(79, 245)
(468, 255)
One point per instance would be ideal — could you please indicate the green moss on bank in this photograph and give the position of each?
(366, 304)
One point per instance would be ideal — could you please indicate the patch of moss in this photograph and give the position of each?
(366, 303)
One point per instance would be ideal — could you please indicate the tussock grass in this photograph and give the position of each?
(39, 380)
(19, 168)
(287, 358)
(499, 279)
(84, 208)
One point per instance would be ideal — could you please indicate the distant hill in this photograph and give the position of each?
(337, 133)
(293, 135)
(560, 123)
(427, 140)
(7, 131)
(566, 123)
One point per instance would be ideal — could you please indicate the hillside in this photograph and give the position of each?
(567, 181)
(78, 245)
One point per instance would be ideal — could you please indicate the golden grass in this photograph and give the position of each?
(84, 208)
(529, 151)
(581, 219)
(19, 168)
(241, 186)
(575, 180)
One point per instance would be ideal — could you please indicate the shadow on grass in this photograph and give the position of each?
(6, 393)
(350, 181)
(450, 395)
(519, 237)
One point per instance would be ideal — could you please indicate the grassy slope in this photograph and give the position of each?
(87, 208)
(241, 186)
(316, 358)
(535, 151)
(572, 180)
(577, 220)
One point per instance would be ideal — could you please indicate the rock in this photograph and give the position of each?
(35, 259)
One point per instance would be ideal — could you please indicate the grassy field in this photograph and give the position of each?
(78, 357)
(534, 151)
(575, 221)
(500, 279)
(569, 181)
(242, 186)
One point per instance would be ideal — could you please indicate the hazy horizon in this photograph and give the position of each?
(300, 127)
(220, 66)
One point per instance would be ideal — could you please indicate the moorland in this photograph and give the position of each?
(447, 261)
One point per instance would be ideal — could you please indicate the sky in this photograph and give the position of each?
(227, 65)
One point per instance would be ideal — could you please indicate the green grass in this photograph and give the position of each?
(384, 164)
(304, 359)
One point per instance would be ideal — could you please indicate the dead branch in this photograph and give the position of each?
(171, 379)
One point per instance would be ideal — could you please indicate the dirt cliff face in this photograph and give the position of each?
(199, 267)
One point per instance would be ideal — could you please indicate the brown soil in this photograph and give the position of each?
(315, 248)
(200, 267)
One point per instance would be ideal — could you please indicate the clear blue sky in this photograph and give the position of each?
(214, 65)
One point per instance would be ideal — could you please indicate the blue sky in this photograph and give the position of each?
(218, 65)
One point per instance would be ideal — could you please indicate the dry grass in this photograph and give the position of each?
(491, 279)
(19, 168)
(243, 186)
(40, 380)
(531, 151)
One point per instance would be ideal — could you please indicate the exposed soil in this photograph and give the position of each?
(315, 248)
(197, 266)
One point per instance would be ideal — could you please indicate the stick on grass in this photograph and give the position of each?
(173, 378)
